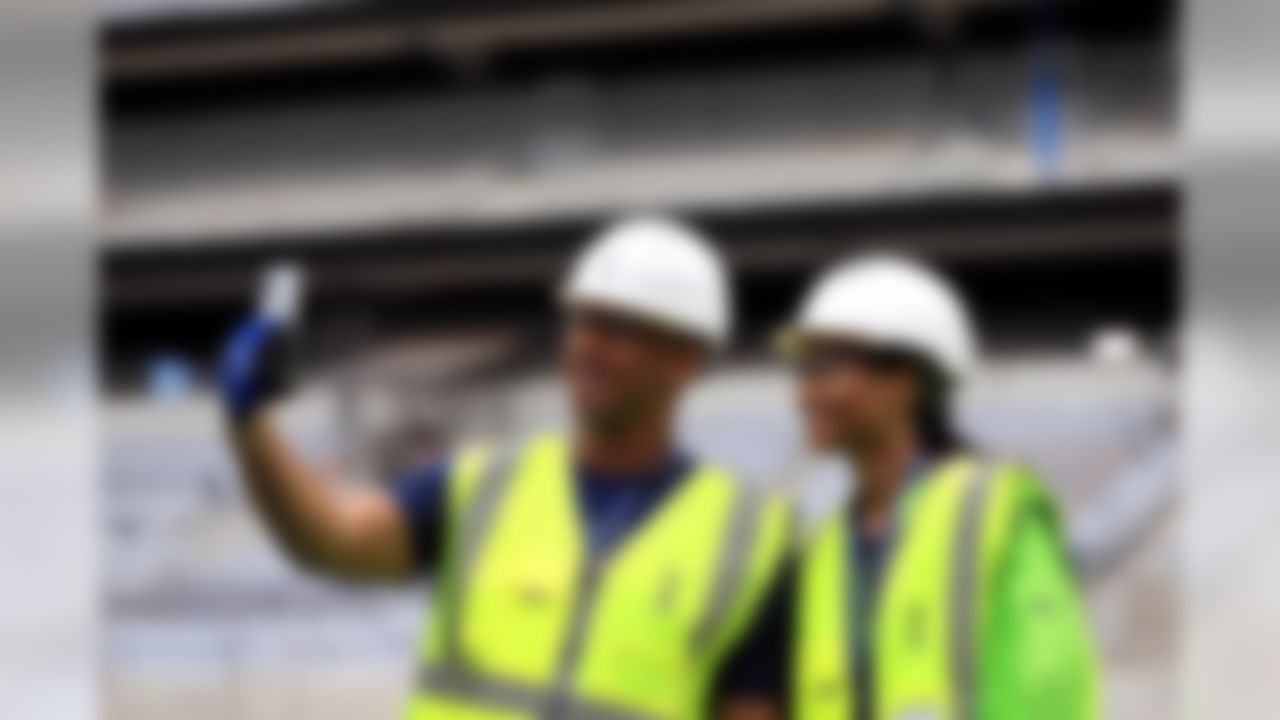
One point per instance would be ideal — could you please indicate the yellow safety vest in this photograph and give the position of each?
(932, 607)
(529, 625)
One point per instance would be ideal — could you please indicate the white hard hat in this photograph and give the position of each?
(658, 270)
(895, 303)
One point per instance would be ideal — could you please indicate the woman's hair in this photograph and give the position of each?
(934, 426)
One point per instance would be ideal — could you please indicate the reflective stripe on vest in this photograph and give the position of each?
(453, 683)
(964, 596)
(597, 599)
(473, 530)
(926, 622)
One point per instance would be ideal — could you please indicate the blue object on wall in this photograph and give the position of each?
(169, 377)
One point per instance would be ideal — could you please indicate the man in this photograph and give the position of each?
(603, 575)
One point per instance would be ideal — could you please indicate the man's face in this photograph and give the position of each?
(850, 396)
(620, 371)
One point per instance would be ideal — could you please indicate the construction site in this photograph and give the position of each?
(433, 167)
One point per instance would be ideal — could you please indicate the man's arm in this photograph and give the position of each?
(355, 533)
(351, 533)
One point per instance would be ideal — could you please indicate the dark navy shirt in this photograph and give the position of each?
(869, 552)
(611, 506)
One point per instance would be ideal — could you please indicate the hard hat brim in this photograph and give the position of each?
(571, 301)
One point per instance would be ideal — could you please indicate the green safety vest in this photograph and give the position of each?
(528, 624)
(943, 647)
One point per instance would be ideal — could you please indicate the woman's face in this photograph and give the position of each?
(850, 396)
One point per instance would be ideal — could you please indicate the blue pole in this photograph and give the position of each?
(1046, 94)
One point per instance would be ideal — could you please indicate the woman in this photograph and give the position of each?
(944, 589)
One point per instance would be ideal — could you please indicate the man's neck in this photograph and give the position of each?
(882, 468)
(625, 451)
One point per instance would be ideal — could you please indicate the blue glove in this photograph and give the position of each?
(253, 368)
